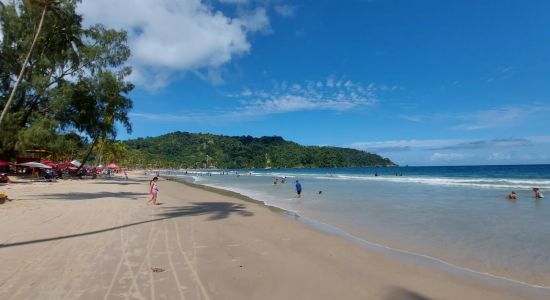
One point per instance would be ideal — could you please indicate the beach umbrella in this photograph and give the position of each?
(76, 163)
(48, 163)
(100, 166)
(34, 164)
(4, 163)
(112, 166)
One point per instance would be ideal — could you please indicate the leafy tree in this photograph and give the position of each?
(44, 5)
(71, 79)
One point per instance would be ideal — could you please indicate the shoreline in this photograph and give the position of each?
(102, 241)
(431, 261)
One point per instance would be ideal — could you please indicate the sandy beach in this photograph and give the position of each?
(97, 239)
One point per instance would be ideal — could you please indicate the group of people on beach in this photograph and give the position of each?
(281, 180)
(297, 186)
(514, 196)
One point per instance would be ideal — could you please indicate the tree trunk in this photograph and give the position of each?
(10, 99)
(87, 155)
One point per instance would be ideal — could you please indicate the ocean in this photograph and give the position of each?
(456, 215)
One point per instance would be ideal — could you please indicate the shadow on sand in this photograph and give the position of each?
(119, 182)
(399, 293)
(93, 196)
(216, 210)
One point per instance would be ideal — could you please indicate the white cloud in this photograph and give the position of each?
(518, 150)
(448, 156)
(400, 145)
(234, 1)
(286, 11)
(450, 144)
(282, 98)
(309, 95)
(500, 156)
(171, 36)
(499, 117)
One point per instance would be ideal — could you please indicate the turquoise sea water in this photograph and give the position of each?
(456, 214)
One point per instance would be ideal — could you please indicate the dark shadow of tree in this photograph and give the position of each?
(93, 196)
(120, 182)
(217, 210)
(399, 293)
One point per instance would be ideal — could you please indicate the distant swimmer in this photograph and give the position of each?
(538, 193)
(276, 180)
(512, 196)
(298, 189)
(320, 192)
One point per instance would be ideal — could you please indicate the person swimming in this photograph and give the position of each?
(512, 196)
(538, 193)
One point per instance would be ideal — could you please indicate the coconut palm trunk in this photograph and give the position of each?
(35, 38)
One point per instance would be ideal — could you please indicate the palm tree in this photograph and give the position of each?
(46, 5)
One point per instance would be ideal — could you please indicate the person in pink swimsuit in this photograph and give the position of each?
(153, 190)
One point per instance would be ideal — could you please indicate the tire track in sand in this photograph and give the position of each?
(43, 255)
(146, 259)
(194, 272)
(171, 261)
(124, 240)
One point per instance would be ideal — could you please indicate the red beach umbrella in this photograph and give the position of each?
(4, 163)
(112, 166)
(65, 164)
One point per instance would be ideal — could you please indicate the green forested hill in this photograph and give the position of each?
(191, 150)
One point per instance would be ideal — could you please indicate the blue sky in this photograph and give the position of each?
(420, 82)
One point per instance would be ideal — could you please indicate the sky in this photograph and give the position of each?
(420, 82)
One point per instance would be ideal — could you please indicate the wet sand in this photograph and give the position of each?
(97, 239)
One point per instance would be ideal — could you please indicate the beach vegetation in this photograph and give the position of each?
(63, 86)
(197, 150)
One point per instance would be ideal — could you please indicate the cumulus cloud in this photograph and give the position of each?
(171, 36)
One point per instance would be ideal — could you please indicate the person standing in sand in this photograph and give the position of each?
(153, 190)
(298, 189)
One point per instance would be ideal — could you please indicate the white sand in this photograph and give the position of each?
(97, 239)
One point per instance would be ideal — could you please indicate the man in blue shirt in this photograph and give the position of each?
(298, 188)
